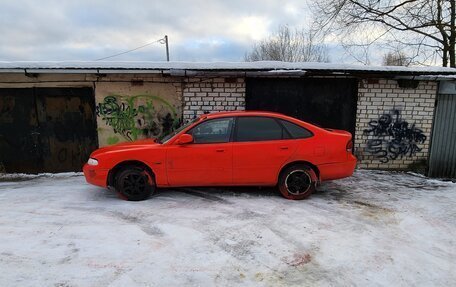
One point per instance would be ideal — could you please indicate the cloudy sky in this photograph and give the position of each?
(198, 30)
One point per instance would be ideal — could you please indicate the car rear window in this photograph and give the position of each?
(297, 132)
(258, 129)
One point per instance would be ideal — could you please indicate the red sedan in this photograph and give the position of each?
(227, 149)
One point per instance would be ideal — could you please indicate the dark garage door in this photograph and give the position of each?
(46, 129)
(442, 159)
(329, 103)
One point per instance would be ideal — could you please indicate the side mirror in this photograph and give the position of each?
(184, 139)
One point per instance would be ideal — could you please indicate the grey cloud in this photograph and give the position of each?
(86, 30)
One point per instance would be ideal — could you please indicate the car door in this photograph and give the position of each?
(205, 162)
(260, 147)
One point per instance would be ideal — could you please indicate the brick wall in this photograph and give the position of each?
(383, 97)
(208, 95)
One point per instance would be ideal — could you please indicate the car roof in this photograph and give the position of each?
(241, 113)
(222, 114)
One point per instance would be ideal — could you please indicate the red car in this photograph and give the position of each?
(227, 149)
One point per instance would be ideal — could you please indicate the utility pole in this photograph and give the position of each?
(167, 48)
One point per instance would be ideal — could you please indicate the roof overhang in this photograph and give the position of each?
(243, 69)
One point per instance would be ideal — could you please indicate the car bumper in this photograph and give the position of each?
(337, 170)
(95, 175)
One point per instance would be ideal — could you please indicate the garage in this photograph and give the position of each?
(147, 99)
(46, 129)
(325, 102)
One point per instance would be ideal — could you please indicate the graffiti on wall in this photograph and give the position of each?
(393, 137)
(134, 117)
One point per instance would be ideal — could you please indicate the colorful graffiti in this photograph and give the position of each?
(394, 137)
(134, 117)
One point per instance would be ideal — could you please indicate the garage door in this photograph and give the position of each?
(442, 160)
(328, 103)
(46, 129)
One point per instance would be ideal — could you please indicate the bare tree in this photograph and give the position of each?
(290, 46)
(395, 58)
(427, 26)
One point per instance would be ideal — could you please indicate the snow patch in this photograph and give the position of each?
(375, 228)
(240, 66)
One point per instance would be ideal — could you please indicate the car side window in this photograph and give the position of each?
(258, 129)
(212, 131)
(296, 131)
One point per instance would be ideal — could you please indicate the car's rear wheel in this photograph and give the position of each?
(135, 183)
(297, 182)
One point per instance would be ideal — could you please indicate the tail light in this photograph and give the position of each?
(350, 146)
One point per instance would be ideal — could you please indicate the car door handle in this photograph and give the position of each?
(219, 150)
(284, 147)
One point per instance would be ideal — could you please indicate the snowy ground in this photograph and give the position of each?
(373, 229)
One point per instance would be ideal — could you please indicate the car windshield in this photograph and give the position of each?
(166, 137)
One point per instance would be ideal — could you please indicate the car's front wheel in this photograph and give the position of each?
(297, 182)
(135, 183)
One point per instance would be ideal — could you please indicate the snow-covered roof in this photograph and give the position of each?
(261, 66)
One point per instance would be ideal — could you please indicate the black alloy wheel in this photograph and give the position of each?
(135, 183)
(297, 182)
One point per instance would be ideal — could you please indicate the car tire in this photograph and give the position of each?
(135, 183)
(297, 182)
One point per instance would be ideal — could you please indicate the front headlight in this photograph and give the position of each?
(92, 161)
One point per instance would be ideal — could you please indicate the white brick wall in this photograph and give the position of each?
(416, 106)
(209, 95)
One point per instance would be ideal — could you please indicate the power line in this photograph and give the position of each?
(162, 41)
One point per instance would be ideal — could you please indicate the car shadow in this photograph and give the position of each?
(220, 194)
(214, 194)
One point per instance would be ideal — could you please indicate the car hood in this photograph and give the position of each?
(146, 143)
